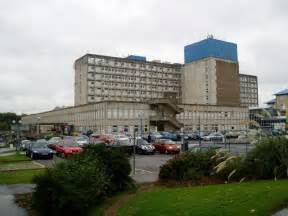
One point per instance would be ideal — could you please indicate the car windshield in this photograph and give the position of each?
(39, 144)
(142, 142)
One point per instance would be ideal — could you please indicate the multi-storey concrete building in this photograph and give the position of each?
(211, 81)
(99, 78)
(248, 90)
(113, 94)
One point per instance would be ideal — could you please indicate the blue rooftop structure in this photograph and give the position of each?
(210, 47)
(136, 58)
(283, 92)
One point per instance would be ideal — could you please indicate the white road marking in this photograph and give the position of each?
(39, 164)
(147, 171)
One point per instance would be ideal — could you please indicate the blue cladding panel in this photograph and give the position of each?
(136, 58)
(210, 48)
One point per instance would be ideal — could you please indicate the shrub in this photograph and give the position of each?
(188, 166)
(269, 159)
(82, 181)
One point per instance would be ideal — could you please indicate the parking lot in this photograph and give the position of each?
(147, 166)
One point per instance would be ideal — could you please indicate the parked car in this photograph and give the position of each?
(106, 138)
(53, 142)
(193, 136)
(153, 135)
(197, 148)
(143, 147)
(214, 137)
(39, 149)
(170, 136)
(124, 143)
(82, 141)
(231, 135)
(166, 146)
(67, 148)
(24, 144)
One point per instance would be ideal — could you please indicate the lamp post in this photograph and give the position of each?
(38, 125)
(141, 116)
(17, 124)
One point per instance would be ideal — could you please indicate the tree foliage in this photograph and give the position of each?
(6, 120)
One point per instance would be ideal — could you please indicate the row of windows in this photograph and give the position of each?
(244, 100)
(211, 115)
(142, 65)
(137, 86)
(248, 79)
(149, 80)
(138, 73)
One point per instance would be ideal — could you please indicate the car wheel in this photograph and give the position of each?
(32, 155)
(166, 151)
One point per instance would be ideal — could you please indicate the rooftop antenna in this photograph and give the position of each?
(211, 36)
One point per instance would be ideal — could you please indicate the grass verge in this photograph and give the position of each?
(14, 158)
(20, 176)
(255, 198)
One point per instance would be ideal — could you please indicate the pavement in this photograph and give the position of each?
(7, 204)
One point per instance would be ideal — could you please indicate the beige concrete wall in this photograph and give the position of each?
(199, 82)
(102, 116)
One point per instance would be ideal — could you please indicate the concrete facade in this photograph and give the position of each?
(99, 78)
(211, 81)
(248, 90)
(121, 116)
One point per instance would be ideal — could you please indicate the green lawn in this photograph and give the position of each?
(14, 158)
(16, 177)
(252, 198)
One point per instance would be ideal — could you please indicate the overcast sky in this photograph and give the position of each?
(39, 41)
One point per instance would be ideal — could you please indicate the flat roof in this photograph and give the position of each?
(130, 60)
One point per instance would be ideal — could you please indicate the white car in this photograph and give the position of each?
(214, 137)
(82, 141)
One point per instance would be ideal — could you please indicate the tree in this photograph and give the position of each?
(6, 120)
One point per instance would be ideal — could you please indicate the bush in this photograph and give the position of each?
(82, 181)
(269, 159)
(188, 166)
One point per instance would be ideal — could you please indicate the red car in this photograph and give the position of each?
(166, 146)
(107, 139)
(66, 149)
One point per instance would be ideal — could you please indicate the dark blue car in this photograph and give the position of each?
(39, 149)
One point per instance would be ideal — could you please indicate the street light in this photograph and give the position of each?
(141, 116)
(17, 124)
(38, 125)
